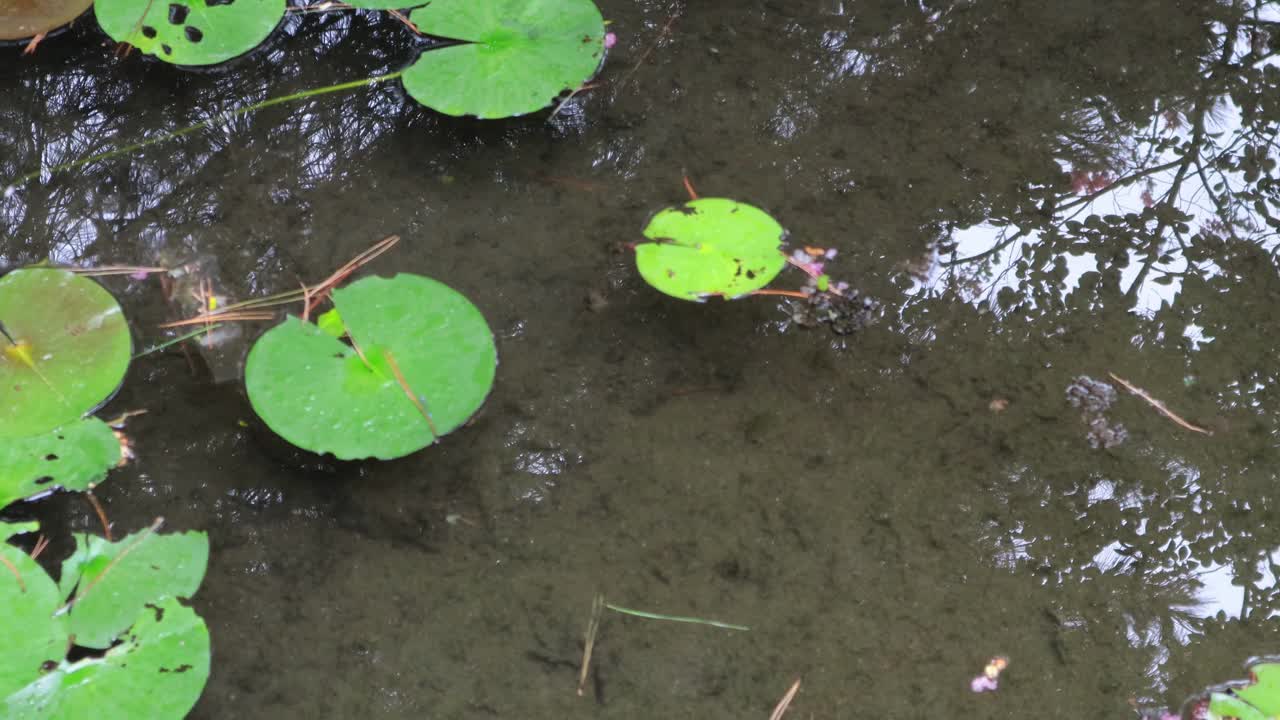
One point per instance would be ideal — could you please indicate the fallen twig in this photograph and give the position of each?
(1158, 405)
(675, 618)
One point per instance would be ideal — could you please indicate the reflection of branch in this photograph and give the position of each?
(1158, 405)
(1203, 102)
(1000, 246)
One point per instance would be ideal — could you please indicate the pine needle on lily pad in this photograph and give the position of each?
(711, 246)
(190, 32)
(157, 662)
(75, 456)
(21, 19)
(416, 347)
(514, 56)
(64, 352)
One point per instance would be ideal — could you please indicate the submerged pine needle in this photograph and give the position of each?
(785, 702)
(589, 643)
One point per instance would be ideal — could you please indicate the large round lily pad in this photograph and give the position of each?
(711, 246)
(190, 32)
(516, 55)
(73, 457)
(319, 394)
(26, 18)
(72, 352)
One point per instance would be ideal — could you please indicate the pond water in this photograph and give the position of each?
(1034, 193)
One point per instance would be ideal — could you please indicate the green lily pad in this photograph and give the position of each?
(21, 19)
(157, 672)
(73, 457)
(318, 393)
(31, 637)
(111, 581)
(157, 669)
(73, 349)
(190, 32)
(711, 246)
(1257, 700)
(516, 55)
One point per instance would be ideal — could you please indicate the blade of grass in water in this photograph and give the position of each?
(675, 618)
(175, 341)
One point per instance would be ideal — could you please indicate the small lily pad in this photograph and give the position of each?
(21, 19)
(72, 350)
(73, 457)
(515, 56)
(711, 246)
(190, 32)
(413, 332)
(1258, 699)
(155, 666)
(111, 581)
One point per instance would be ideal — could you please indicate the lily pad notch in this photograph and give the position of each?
(398, 363)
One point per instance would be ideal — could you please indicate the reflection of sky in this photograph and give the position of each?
(1219, 590)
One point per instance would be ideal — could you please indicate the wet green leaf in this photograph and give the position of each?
(190, 32)
(1257, 700)
(25, 18)
(157, 672)
(31, 636)
(73, 349)
(111, 581)
(516, 55)
(319, 394)
(72, 457)
(711, 246)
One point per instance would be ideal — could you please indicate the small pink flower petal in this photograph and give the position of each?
(610, 40)
(982, 683)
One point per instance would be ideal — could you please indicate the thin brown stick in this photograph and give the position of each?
(81, 595)
(407, 22)
(206, 318)
(785, 702)
(119, 421)
(306, 302)
(102, 514)
(13, 569)
(42, 542)
(593, 629)
(1158, 405)
(413, 397)
(782, 293)
(688, 187)
(107, 270)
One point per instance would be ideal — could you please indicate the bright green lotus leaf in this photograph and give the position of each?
(72, 350)
(73, 457)
(110, 582)
(157, 672)
(29, 599)
(190, 32)
(516, 55)
(711, 246)
(318, 393)
(1264, 693)
(1223, 706)
(25, 18)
